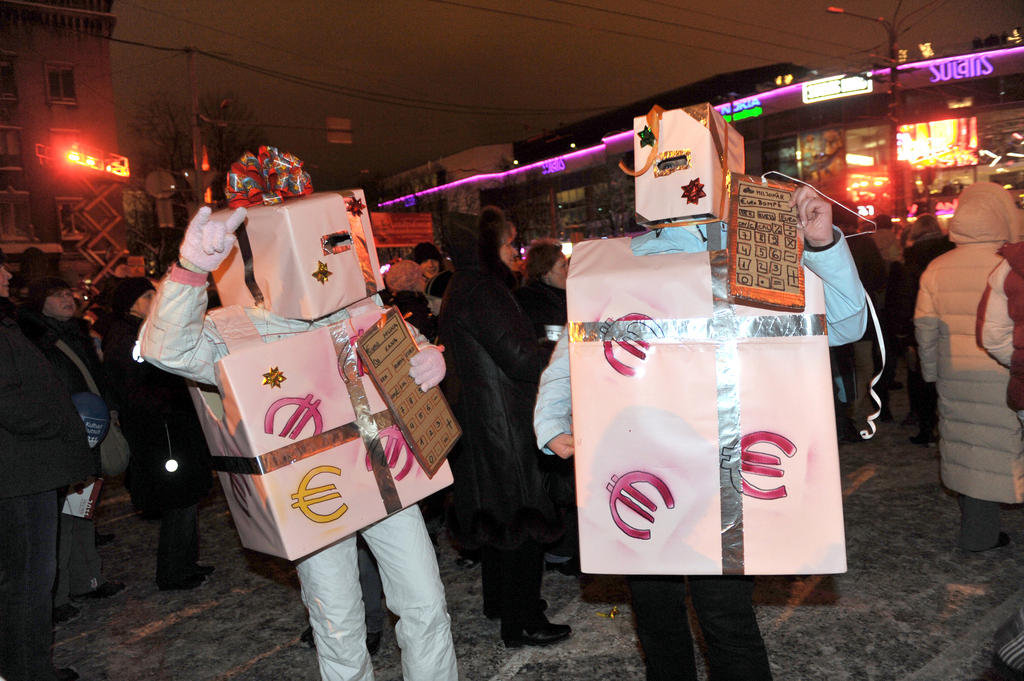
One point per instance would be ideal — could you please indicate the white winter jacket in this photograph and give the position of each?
(980, 437)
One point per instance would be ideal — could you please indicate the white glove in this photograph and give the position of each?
(208, 242)
(427, 367)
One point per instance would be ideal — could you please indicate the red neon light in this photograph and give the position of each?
(114, 164)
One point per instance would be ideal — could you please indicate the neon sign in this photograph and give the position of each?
(555, 165)
(744, 108)
(958, 69)
(113, 163)
(835, 87)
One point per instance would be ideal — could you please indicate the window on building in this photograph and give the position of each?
(60, 83)
(10, 148)
(823, 157)
(780, 155)
(15, 224)
(867, 176)
(8, 88)
(572, 206)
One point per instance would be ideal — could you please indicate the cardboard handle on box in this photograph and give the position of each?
(245, 248)
(654, 123)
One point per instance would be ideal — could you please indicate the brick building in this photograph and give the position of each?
(60, 175)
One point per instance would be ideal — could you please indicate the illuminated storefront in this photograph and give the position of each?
(962, 121)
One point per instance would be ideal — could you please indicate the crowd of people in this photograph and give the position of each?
(952, 317)
(51, 354)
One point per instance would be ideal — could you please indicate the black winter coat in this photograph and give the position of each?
(494, 365)
(43, 444)
(159, 422)
(45, 332)
(416, 310)
(544, 306)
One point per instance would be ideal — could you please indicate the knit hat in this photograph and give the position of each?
(40, 289)
(426, 251)
(127, 292)
(403, 275)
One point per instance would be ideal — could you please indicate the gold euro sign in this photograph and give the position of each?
(305, 497)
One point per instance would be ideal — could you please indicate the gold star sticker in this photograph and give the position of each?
(322, 272)
(274, 378)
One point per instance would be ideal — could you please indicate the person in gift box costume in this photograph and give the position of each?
(180, 337)
(721, 593)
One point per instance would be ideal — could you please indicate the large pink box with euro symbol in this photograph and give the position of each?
(704, 431)
(289, 438)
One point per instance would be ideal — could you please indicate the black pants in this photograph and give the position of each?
(28, 565)
(924, 401)
(178, 549)
(511, 585)
(726, 614)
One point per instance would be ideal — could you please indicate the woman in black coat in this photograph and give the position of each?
(169, 470)
(494, 364)
(542, 297)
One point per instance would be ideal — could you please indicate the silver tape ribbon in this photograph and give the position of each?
(726, 329)
(727, 379)
(348, 366)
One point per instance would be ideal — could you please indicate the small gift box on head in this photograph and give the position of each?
(300, 255)
(683, 158)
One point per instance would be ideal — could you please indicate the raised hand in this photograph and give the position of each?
(208, 242)
(814, 217)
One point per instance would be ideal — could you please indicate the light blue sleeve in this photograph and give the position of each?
(846, 310)
(176, 336)
(552, 415)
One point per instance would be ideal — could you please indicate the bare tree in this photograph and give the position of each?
(162, 140)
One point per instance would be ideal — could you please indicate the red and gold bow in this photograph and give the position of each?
(266, 178)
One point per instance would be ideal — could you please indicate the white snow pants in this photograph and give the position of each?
(412, 585)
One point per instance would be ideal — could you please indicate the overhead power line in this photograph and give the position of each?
(663, 21)
(739, 22)
(576, 24)
(369, 95)
(277, 48)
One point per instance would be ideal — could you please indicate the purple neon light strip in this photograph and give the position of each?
(622, 136)
(502, 175)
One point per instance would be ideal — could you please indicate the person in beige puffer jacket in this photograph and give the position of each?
(979, 437)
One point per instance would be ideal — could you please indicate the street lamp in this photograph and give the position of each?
(892, 33)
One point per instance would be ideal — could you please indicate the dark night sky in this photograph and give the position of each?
(422, 79)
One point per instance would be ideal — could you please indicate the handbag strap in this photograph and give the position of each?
(86, 374)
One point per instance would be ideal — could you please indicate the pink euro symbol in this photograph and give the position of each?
(305, 409)
(634, 343)
(394, 446)
(763, 463)
(623, 491)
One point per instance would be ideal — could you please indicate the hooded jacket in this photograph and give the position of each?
(980, 439)
(494, 363)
